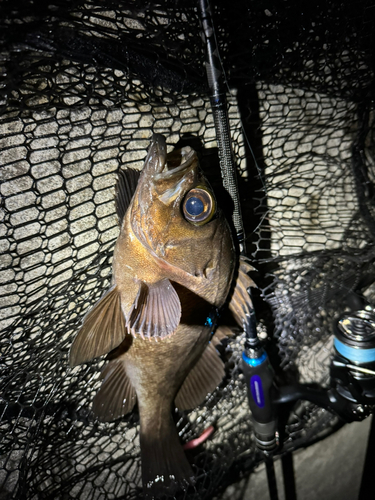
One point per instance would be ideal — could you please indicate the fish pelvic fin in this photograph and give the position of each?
(202, 379)
(165, 468)
(156, 311)
(116, 396)
(125, 188)
(103, 329)
(241, 304)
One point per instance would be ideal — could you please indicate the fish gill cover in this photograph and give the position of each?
(83, 86)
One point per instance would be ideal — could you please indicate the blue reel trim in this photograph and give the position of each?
(354, 354)
(254, 361)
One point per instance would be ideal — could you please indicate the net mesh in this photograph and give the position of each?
(83, 85)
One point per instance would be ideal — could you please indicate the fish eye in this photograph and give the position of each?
(199, 206)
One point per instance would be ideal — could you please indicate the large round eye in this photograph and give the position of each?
(199, 206)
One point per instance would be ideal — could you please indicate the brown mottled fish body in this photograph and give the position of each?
(170, 273)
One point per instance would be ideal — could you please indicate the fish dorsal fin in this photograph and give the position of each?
(156, 311)
(203, 378)
(103, 329)
(125, 188)
(116, 396)
(240, 304)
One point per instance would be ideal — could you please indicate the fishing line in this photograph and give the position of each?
(354, 354)
(355, 337)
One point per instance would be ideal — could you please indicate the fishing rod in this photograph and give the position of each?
(256, 367)
(219, 108)
(351, 392)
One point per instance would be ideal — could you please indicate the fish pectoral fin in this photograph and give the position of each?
(125, 188)
(116, 396)
(202, 379)
(156, 311)
(241, 304)
(103, 329)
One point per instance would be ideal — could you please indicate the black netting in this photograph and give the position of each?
(83, 85)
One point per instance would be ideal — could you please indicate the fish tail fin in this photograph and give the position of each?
(165, 468)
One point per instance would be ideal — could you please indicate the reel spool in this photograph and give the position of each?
(354, 340)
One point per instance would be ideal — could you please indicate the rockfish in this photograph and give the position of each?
(173, 268)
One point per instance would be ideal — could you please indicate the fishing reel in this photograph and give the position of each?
(350, 395)
(353, 364)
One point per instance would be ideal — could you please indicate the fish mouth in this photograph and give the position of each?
(156, 157)
(172, 166)
(172, 174)
(178, 164)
